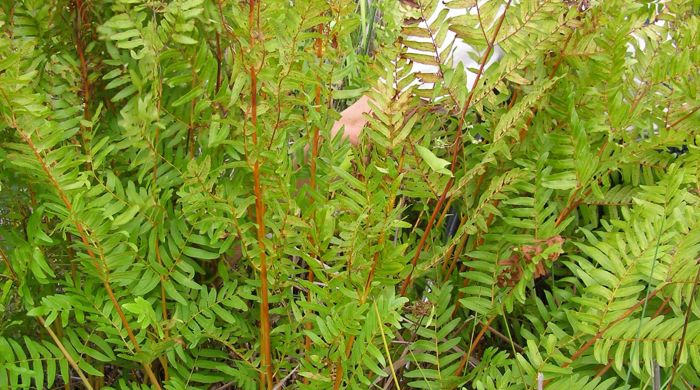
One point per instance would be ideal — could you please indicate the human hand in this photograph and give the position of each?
(353, 120)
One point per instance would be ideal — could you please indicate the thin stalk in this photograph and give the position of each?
(455, 254)
(646, 301)
(401, 360)
(6, 260)
(661, 307)
(219, 60)
(475, 342)
(512, 346)
(684, 117)
(508, 339)
(603, 370)
(163, 294)
(420, 369)
(191, 126)
(386, 346)
(523, 131)
(424, 237)
(445, 210)
(677, 358)
(73, 264)
(65, 353)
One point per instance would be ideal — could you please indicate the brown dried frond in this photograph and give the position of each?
(419, 308)
(513, 266)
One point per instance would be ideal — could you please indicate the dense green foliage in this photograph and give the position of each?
(175, 214)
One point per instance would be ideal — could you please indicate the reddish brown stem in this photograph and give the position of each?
(265, 348)
(423, 238)
(6, 260)
(604, 369)
(219, 60)
(684, 117)
(661, 307)
(339, 367)
(265, 306)
(475, 342)
(455, 152)
(572, 204)
(523, 131)
(445, 210)
(455, 257)
(80, 20)
(363, 299)
(601, 332)
(467, 104)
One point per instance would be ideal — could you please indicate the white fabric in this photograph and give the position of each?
(461, 51)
